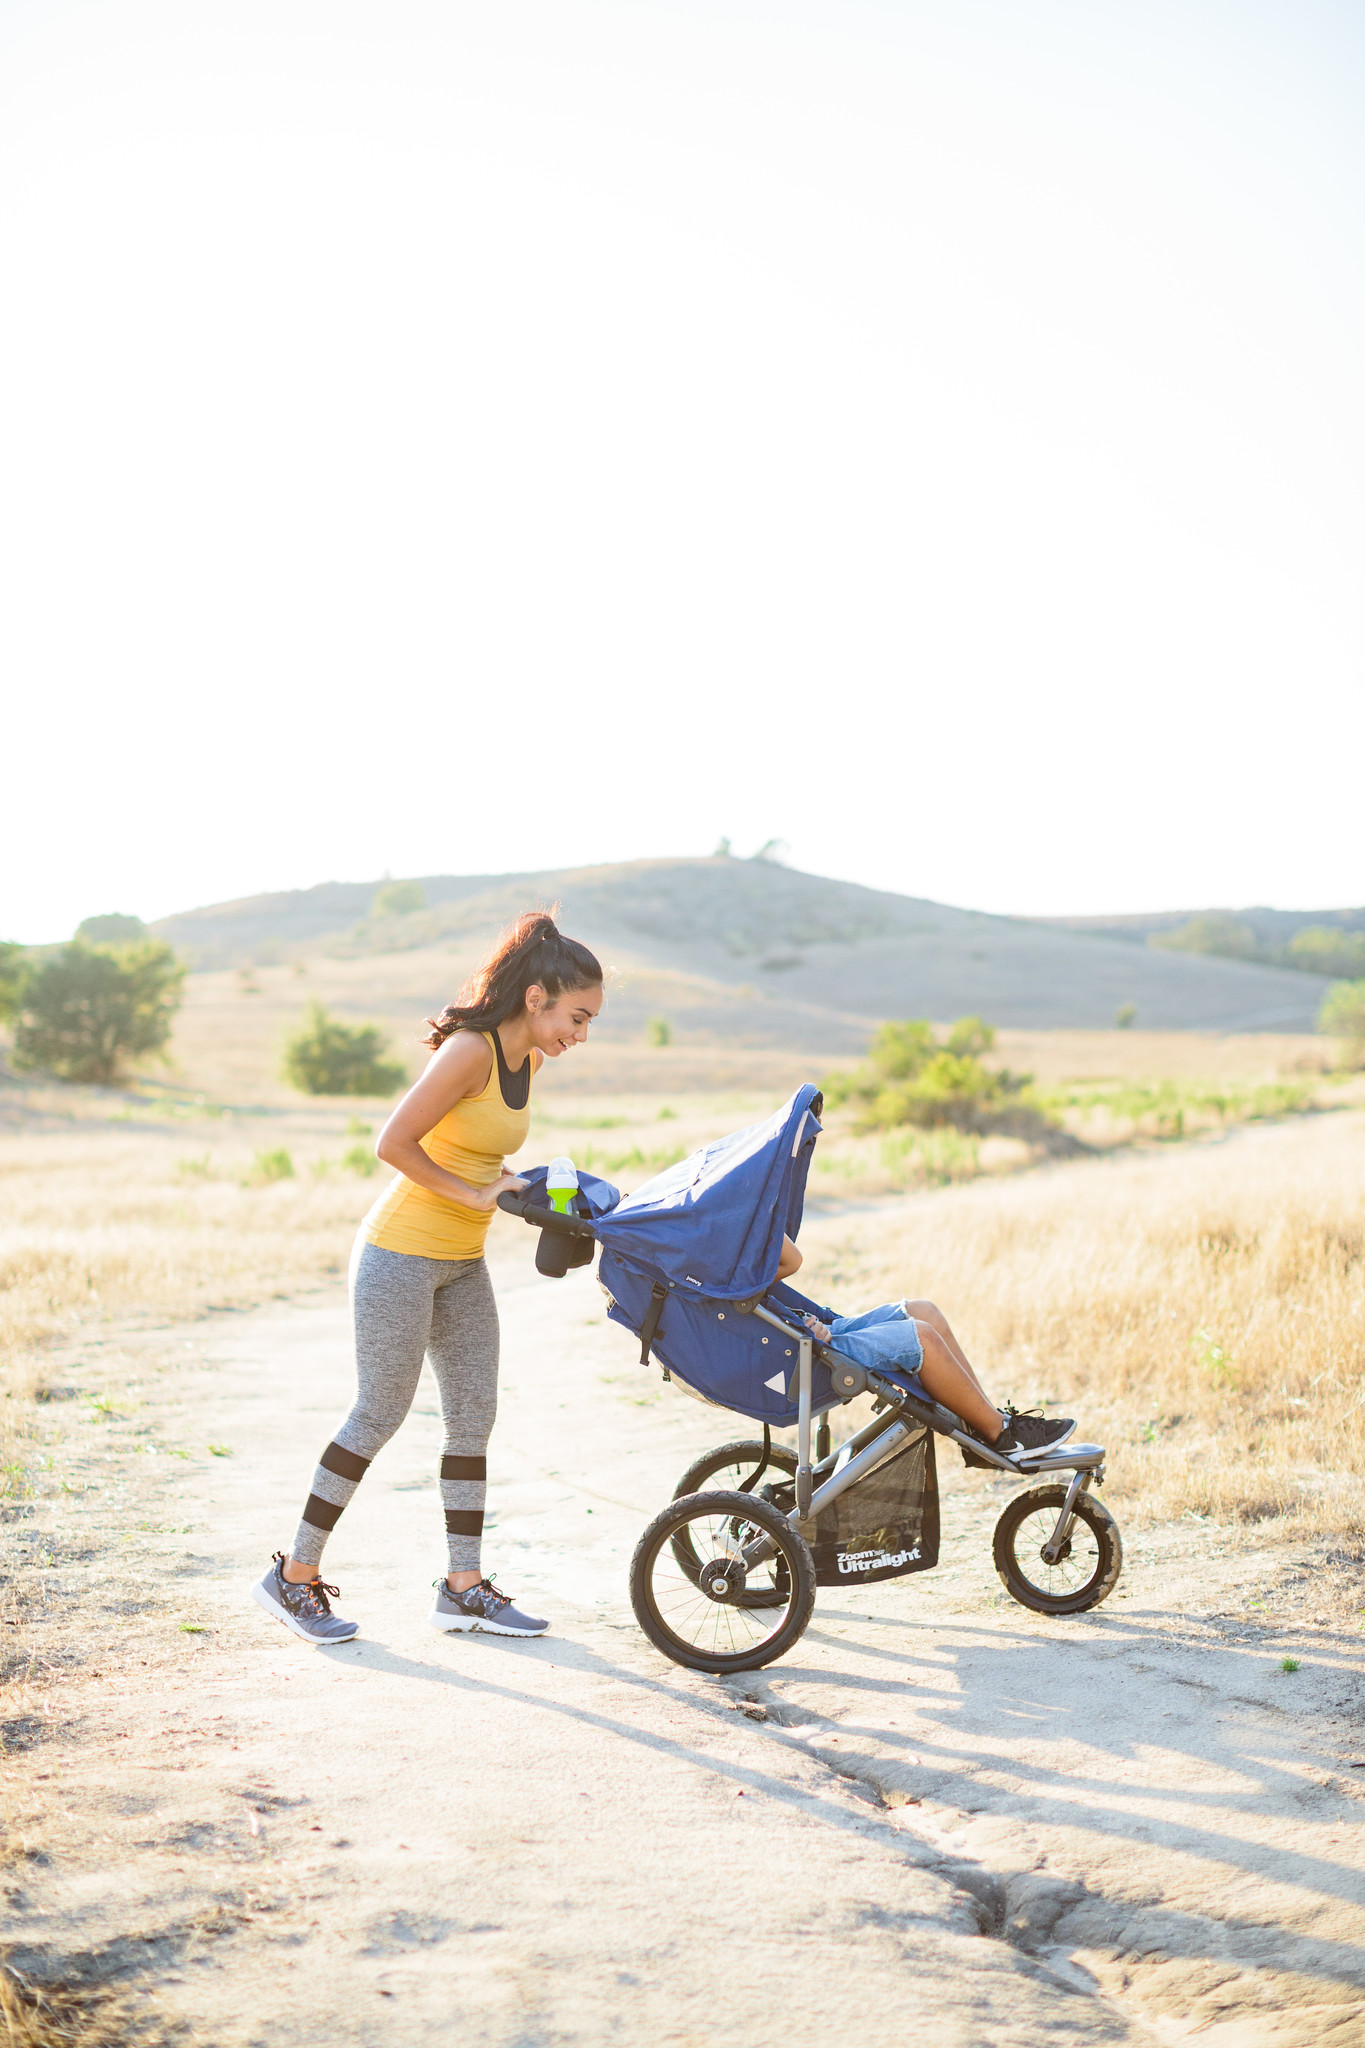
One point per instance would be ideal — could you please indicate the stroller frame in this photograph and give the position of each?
(876, 1441)
(757, 1530)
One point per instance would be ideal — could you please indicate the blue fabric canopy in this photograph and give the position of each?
(683, 1257)
(713, 1225)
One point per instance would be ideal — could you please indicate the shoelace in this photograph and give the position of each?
(317, 1594)
(501, 1599)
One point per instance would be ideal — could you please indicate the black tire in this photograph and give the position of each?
(1086, 1573)
(742, 1457)
(727, 1634)
(732, 1464)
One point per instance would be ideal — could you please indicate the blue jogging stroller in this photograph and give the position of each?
(724, 1578)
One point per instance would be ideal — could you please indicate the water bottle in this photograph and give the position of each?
(561, 1185)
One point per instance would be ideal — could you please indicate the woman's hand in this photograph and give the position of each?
(486, 1198)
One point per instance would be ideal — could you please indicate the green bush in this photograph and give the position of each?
(1212, 932)
(1167, 1109)
(327, 1057)
(360, 1159)
(268, 1166)
(658, 1031)
(13, 969)
(1124, 1015)
(113, 929)
(910, 1076)
(1343, 1016)
(85, 1011)
(396, 899)
(1325, 949)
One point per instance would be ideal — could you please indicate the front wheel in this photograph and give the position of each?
(1087, 1570)
(696, 1612)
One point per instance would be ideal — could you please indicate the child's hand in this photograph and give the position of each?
(817, 1328)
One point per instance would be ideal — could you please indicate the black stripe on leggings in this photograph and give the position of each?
(336, 1458)
(320, 1513)
(464, 1521)
(464, 1468)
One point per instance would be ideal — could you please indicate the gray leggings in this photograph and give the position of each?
(406, 1306)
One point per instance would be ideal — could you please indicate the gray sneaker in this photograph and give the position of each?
(482, 1607)
(305, 1609)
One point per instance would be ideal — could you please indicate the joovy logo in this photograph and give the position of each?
(876, 1560)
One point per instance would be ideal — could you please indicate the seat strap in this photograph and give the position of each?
(649, 1328)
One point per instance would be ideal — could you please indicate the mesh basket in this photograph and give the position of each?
(885, 1526)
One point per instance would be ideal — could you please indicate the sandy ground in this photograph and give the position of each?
(940, 1818)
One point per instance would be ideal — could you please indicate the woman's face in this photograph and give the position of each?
(557, 1022)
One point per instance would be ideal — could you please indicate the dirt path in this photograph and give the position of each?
(940, 1818)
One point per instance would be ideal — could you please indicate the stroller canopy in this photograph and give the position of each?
(712, 1226)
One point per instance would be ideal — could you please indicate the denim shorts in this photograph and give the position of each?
(882, 1339)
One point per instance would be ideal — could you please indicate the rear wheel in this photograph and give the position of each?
(696, 1612)
(729, 1465)
(1087, 1570)
(726, 1470)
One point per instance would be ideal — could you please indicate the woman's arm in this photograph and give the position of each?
(790, 1261)
(458, 1068)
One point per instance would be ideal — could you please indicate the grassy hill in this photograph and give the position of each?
(754, 953)
(1270, 927)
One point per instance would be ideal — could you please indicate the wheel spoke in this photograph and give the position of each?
(674, 1559)
(1073, 1572)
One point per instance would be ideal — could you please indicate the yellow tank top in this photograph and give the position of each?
(471, 1140)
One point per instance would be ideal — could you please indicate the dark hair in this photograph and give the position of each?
(533, 950)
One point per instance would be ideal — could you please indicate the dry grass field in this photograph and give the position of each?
(1200, 1308)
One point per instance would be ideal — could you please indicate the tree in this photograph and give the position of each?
(13, 967)
(112, 929)
(396, 899)
(658, 1031)
(86, 1011)
(1326, 949)
(1213, 931)
(327, 1057)
(1343, 1016)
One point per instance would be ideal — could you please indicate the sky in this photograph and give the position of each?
(454, 439)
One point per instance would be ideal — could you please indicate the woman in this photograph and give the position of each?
(914, 1336)
(419, 1284)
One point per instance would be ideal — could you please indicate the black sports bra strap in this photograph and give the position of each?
(514, 1088)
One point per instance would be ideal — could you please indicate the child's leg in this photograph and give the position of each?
(925, 1312)
(951, 1380)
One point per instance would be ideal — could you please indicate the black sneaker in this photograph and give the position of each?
(1032, 1432)
(1022, 1435)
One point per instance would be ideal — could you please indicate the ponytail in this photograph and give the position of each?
(533, 952)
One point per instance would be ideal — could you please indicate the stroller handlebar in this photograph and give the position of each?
(521, 1202)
